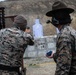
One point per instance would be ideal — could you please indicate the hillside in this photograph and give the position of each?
(33, 9)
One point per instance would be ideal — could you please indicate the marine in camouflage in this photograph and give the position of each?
(13, 43)
(2, 72)
(65, 56)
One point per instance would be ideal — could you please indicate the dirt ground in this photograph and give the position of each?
(40, 66)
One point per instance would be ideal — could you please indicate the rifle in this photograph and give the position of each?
(22, 69)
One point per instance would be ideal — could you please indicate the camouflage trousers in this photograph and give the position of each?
(4, 72)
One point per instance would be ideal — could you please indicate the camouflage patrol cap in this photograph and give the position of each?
(20, 22)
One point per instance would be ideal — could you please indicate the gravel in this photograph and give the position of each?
(39, 66)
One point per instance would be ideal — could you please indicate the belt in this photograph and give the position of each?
(9, 68)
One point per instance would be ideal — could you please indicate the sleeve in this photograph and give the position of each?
(29, 38)
(54, 57)
(63, 56)
(30, 41)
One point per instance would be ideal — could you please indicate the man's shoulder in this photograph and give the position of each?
(68, 31)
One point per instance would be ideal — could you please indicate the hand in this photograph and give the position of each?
(50, 56)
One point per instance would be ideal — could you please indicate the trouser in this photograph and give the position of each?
(8, 70)
(5, 72)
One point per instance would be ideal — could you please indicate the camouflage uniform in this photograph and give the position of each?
(65, 55)
(13, 43)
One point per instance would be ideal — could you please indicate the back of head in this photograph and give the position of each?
(20, 22)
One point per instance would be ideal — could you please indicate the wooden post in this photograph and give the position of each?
(2, 18)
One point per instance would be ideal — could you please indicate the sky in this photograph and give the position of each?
(1, 0)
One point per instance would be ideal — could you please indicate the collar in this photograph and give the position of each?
(64, 26)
